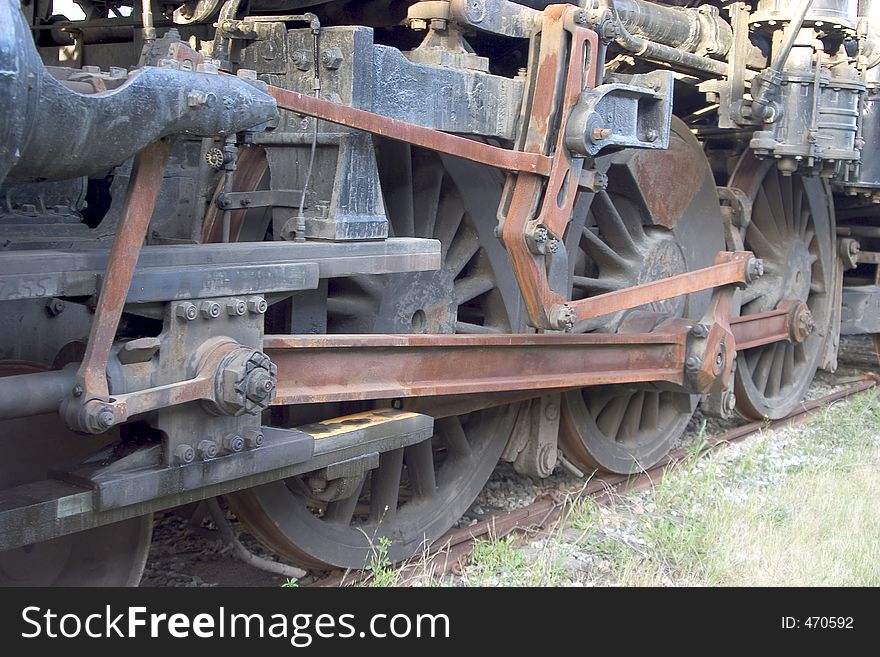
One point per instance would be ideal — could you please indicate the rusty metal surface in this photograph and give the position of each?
(143, 190)
(730, 267)
(408, 132)
(351, 367)
(553, 91)
(782, 323)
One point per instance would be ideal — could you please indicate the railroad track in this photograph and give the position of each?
(456, 546)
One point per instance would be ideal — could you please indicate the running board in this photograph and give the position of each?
(139, 483)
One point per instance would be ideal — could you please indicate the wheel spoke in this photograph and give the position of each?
(385, 486)
(452, 433)
(341, 512)
(774, 196)
(399, 203)
(632, 418)
(765, 361)
(774, 380)
(472, 287)
(613, 228)
(350, 306)
(427, 186)
(758, 242)
(449, 218)
(601, 253)
(611, 417)
(788, 373)
(788, 203)
(419, 459)
(597, 285)
(650, 411)
(464, 247)
(764, 212)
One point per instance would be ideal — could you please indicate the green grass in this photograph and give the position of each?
(790, 510)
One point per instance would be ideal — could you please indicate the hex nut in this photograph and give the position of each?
(207, 449)
(210, 309)
(236, 307)
(233, 443)
(184, 454)
(332, 58)
(257, 305)
(187, 311)
(253, 439)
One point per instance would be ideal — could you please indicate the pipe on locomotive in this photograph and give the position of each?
(672, 35)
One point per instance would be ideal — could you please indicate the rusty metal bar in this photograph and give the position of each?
(143, 190)
(355, 367)
(790, 320)
(729, 268)
(409, 132)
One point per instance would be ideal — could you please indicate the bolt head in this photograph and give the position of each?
(699, 330)
(598, 134)
(184, 454)
(253, 439)
(652, 135)
(692, 364)
(210, 309)
(233, 443)
(187, 311)
(207, 449)
(236, 307)
(105, 417)
(257, 305)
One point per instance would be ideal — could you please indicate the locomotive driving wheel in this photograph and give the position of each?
(658, 217)
(416, 494)
(110, 555)
(792, 231)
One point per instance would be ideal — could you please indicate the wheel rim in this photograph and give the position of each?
(791, 230)
(630, 236)
(416, 494)
(111, 555)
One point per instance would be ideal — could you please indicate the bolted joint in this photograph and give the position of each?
(186, 311)
(55, 307)
(302, 59)
(184, 454)
(537, 237)
(331, 58)
(245, 383)
(599, 134)
(562, 317)
(253, 439)
(257, 305)
(236, 307)
(700, 330)
(754, 269)
(93, 417)
(802, 323)
(693, 364)
(207, 449)
(209, 309)
(849, 250)
(233, 443)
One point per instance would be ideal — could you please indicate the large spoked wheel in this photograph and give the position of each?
(417, 493)
(112, 555)
(792, 231)
(658, 217)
